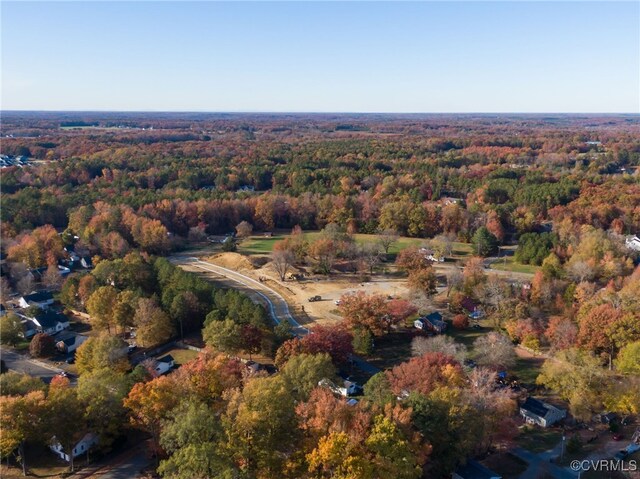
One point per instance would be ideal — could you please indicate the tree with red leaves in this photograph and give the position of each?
(425, 373)
(360, 310)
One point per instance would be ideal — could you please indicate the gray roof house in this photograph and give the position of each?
(49, 322)
(474, 470)
(541, 413)
(41, 299)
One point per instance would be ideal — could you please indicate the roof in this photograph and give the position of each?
(475, 470)
(468, 304)
(39, 297)
(435, 316)
(48, 319)
(166, 359)
(537, 407)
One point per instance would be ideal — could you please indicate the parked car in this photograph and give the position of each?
(313, 299)
(337, 301)
(620, 455)
(617, 437)
(70, 360)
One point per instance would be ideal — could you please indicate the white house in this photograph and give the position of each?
(431, 255)
(348, 389)
(82, 446)
(41, 299)
(164, 364)
(633, 242)
(49, 322)
(541, 413)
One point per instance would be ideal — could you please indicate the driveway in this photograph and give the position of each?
(539, 464)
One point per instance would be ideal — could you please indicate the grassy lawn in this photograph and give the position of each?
(467, 336)
(182, 356)
(527, 369)
(537, 439)
(513, 266)
(262, 245)
(505, 464)
(391, 349)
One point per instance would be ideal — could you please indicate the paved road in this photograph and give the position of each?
(23, 364)
(539, 464)
(126, 465)
(275, 303)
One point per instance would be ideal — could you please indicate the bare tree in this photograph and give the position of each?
(439, 344)
(494, 350)
(441, 245)
(25, 284)
(370, 255)
(387, 238)
(244, 229)
(454, 280)
(52, 277)
(282, 262)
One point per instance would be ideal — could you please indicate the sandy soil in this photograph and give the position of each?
(297, 293)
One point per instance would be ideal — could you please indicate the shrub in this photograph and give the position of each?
(460, 321)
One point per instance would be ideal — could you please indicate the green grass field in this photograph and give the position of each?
(512, 265)
(537, 439)
(527, 369)
(182, 356)
(262, 245)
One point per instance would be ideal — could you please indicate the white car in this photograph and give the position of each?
(338, 301)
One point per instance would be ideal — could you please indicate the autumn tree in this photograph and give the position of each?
(100, 307)
(324, 252)
(259, 424)
(65, 415)
(102, 352)
(419, 270)
(11, 331)
(224, 336)
(439, 344)
(42, 346)
(628, 360)
(424, 373)
(303, 372)
(153, 326)
(191, 437)
(244, 229)
(360, 310)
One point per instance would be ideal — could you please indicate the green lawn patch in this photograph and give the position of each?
(527, 369)
(510, 264)
(391, 349)
(538, 439)
(467, 336)
(182, 356)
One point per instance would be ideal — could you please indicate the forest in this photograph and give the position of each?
(130, 192)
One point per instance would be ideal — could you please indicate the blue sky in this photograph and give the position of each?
(325, 56)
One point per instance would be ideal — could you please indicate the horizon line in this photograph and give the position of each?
(312, 112)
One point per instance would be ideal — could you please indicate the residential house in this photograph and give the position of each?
(431, 322)
(86, 263)
(431, 255)
(41, 299)
(70, 342)
(633, 242)
(49, 322)
(474, 470)
(541, 413)
(473, 309)
(164, 364)
(86, 442)
(29, 329)
(349, 388)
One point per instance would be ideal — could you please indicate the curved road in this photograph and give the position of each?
(275, 303)
(260, 292)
